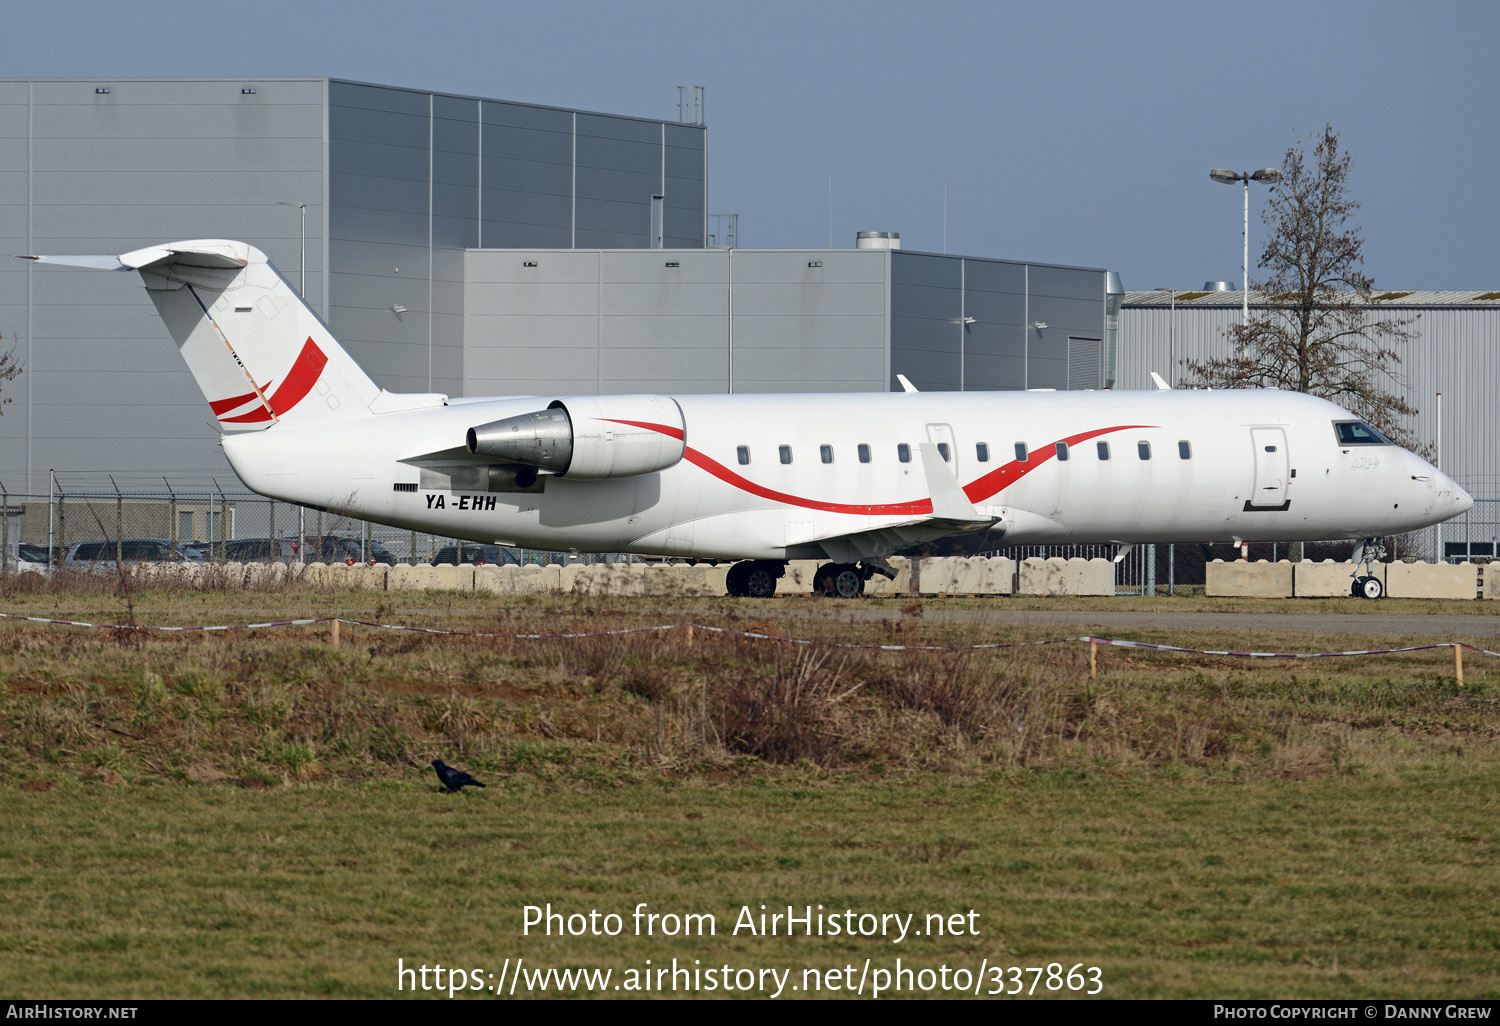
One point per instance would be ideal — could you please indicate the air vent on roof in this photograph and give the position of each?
(1219, 286)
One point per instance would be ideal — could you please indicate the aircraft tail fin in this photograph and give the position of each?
(258, 352)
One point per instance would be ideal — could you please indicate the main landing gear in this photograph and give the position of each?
(755, 578)
(847, 580)
(1366, 554)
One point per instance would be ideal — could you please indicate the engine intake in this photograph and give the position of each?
(589, 437)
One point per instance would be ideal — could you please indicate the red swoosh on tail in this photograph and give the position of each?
(225, 405)
(304, 374)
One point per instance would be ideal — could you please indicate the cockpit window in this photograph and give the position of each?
(1354, 432)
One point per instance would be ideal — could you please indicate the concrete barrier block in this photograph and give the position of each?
(499, 580)
(1491, 573)
(883, 586)
(1248, 579)
(1053, 576)
(967, 575)
(799, 577)
(1432, 580)
(424, 577)
(1327, 579)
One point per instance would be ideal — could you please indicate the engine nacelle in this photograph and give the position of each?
(589, 438)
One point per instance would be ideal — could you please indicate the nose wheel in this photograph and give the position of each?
(1366, 554)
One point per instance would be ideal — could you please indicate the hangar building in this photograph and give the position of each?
(458, 244)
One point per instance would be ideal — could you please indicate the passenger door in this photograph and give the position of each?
(1272, 470)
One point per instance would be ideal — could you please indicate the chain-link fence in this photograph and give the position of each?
(194, 517)
(82, 522)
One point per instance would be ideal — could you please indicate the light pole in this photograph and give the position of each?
(1172, 338)
(301, 291)
(1268, 175)
(302, 244)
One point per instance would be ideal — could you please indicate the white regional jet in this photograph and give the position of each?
(766, 478)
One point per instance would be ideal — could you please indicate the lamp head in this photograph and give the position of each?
(1267, 175)
(1218, 174)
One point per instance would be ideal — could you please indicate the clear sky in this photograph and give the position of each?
(1070, 132)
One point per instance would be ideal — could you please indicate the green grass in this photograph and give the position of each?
(251, 814)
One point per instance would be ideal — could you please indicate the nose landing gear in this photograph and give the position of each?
(1366, 554)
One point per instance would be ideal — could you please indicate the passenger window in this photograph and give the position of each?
(1143, 449)
(982, 451)
(864, 453)
(786, 454)
(903, 452)
(1021, 452)
(743, 452)
(1062, 451)
(825, 453)
(1103, 448)
(1184, 450)
(943, 451)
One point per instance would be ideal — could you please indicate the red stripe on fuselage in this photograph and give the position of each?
(977, 491)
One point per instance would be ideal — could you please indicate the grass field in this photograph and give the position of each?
(251, 814)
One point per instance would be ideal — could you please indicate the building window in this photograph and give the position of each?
(825, 453)
(1143, 450)
(982, 451)
(864, 453)
(1185, 450)
(1062, 450)
(943, 451)
(1021, 452)
(903, 452)
(786, 454)
(743, 453)
(1103, 448)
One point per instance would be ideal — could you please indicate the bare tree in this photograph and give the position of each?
(1316, 332)
(10, 367)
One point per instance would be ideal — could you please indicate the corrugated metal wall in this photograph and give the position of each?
(86, 171)
(1457, 353)
(416, 178)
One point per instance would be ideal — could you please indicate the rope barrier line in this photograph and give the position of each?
(760, 636)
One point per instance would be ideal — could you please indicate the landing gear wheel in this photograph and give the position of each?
(840, 580)
(1356, 587)
(1371, 588)
(847, 583)
(759, 582)
(736, 582)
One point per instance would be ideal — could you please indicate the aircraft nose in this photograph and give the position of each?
(1462, 500)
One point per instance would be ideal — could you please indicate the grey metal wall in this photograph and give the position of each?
(936, 345)
(106, 172)
(1457, 353)
(415, 178)
(775, 321)
(631, 321)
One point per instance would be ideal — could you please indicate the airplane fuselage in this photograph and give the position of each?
(784, 476)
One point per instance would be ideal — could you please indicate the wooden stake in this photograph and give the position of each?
(1458, 663)
(335, 638)
(1093, 659)
(689, 640)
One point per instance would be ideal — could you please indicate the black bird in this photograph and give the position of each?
(453, 780)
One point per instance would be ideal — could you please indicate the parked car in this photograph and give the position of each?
(472, 552)
(93, 556)
(261, 550)
(337, 549)
(28, 559)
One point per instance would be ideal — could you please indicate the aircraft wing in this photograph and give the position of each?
(952, 514)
